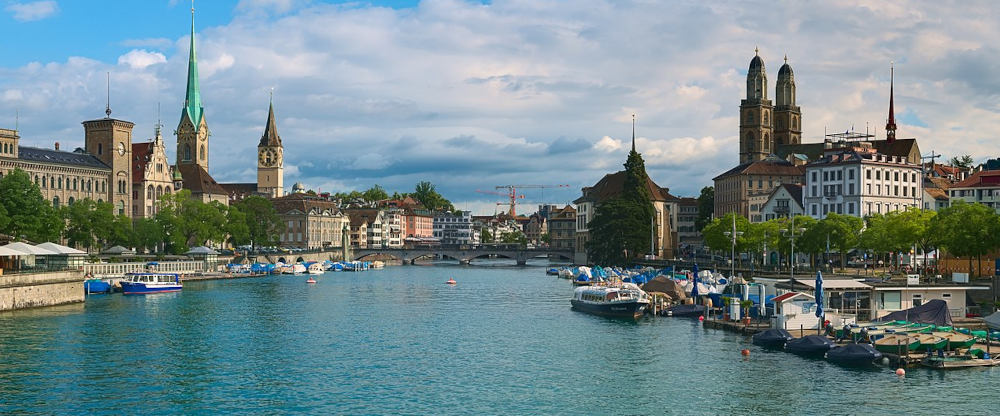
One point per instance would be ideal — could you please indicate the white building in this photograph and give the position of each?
(982, 188)
(783, 202)
(854, 179)
(455, 228)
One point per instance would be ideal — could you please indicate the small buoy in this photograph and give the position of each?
(900, 372)
(311, 280)
(745, 352)
(701, 318)
(451, 281)
(885, 361)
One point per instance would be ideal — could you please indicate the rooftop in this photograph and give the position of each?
(75, 158)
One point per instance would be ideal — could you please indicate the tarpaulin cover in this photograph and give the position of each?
(666, 285)
(854, 354)
(934, 312)
(810, 344)
(772, 337)
(687, 310)
(993, 321)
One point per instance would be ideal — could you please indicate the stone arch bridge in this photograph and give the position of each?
(464, 256)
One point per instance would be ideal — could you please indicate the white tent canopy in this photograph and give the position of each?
(60, 249)
(26, 248)
(4, 251)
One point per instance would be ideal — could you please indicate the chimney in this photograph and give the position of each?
(57, 145)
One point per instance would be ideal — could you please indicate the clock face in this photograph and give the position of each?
(268, 158)
(121, 148)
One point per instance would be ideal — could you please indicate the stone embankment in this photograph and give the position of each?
(30, 290)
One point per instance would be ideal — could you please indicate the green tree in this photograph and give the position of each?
(148, 235)
(511, 237)
(375, 193)
(913, 228)
(121, 231)
(188, 222)
(706, 207)
(237, 226)
(962, 162)
(545, 238)
(967, 230)
(621, 225)
(28, 215)
(485, 235)
(264, 225)
(79, 225)
(844, 232)
(788, 228)
(430, 198)
(715, 233)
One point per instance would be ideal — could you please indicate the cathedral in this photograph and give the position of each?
(763, 126)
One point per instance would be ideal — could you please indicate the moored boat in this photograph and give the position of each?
(809, 345)
(854, 355)
(686, 310)
(772, 338)
(96, 286)
(619, 301)
(966, 361)
(955, 340)
(144, 283)
(931, 341)
(897, 343)
(316, 268)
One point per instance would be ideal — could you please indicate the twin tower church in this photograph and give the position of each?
(134, 176)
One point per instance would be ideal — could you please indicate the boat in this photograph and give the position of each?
(772, 338)
(809, 346)
(956, 340)
(624, 300)
(378, 264)
(96, 286)
(565, 273)
(143, 283)
(854, 355)
(964, 361)
(316, 268)
(929, 341)
(310, 280)
(451, 281)
(897, 343)
(686, 310)
(552, 272)
(299, 268)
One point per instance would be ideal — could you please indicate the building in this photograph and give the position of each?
(688, 236)
(857, 180)
(392, 228)
(982, 187)
(562, 227)
(359, 230)
(310, 222)
(784, 201)
(936, 193)
(762, 126)
(152, 176)
(612, 185)
(535, 228)
(373, 221)
(455, 228)
(734, 188)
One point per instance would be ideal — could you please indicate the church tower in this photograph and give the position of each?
(890, 123)
(192, 131)
(111, 141)
(756, 141)
(270, 159)
(787, 115)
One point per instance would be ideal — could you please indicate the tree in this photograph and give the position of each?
(430, 198)
(913, 228)
(967, 230)
(962, 162)
(147, 235)
(375, 193)
(262, 220)
(786, 231)
(715, 233)
(844, 232)
(187, 222)
(511, 237)
(706, 207)
(121, 231)
(621, 225)
(79, 228)
(28, 215)
(485, 235)
(237, 226)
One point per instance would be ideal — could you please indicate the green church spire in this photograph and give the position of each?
(192, 100)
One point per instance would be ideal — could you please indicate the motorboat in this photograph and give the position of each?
(854, 355)
(91, 286)
(897, 343)
(299, 268)
(810, 346)
(316, 268)
(929, 341)
(145, 283)
(772, 338)
(623, 300)
(686, 311)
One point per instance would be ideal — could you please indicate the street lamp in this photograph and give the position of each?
(792, 233)
(733, 234)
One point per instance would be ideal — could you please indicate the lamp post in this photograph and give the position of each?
(733, 234)
(791, 232)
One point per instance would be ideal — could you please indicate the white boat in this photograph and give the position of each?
(623, 300)
(298, 268)
(378, 264)
(316, 268)
(143, 283)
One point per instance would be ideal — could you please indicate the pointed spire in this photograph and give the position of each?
(890, 125)
(786, 58)
(756, 51)
(633, 133)
(270, 137)
(192, 99)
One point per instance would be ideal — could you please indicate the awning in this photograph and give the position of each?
(60, 249)
(26, 248)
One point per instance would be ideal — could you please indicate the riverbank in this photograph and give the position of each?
(32, 290)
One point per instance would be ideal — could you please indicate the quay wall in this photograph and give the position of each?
(31, 290)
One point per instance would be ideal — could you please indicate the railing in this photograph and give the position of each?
(119, 269)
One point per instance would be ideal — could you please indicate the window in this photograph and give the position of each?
(100, 149)
(868, 173)
(840, 175)
(814, 190)
(889, 301)
(850, 188)
(814, 176)
(897, 190)
(913, 177)
(868, 188)
(904, 191)
(187, 152)
(750, 184)
(813, 208)
(878, 174)
(850, 208)
(896, 176)
(826, 176)
(201, 154)
(918, 299)
(913, 190)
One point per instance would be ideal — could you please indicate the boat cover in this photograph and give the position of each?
(993, 321)
(687, 310)
(772, 337)
(809, 344)
(933, 312)
(854, 354)
(664, 284)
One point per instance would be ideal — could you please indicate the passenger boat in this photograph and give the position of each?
(854, 355)
(955, 340)
(143, 283)
(772, 338)
(897, 343)
(625, 300)
(809, 346)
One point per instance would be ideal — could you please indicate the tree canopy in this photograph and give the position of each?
(621, 228)
(706, 207)
(26, 214)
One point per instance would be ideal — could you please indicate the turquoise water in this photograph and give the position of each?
(400, 341)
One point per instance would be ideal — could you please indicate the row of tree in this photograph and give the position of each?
(180, 221)
(963, 230)
(425, 192)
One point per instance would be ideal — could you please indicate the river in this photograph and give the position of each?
(399, 341)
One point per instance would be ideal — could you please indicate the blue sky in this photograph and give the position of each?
(473, 94)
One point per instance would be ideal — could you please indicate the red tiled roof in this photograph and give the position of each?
(612, 184)
(197, 180)
(769, 166)
(982, 179)
(779, 299)
(141, 152)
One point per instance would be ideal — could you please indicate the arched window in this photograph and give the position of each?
(60, 183)
(749, 141)
(166, 189)
(159, 192)
(55, 202)
(149, 191)
(187, 152)
(766, 118)
(121, 207)
(71, 200)
(45, 182)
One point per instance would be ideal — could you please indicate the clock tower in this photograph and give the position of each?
(111, 141)
(270, 159)
(192, 131)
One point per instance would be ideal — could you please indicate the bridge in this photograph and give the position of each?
(463, 255)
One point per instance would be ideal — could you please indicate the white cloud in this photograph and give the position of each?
(141, 58)
(38, 10)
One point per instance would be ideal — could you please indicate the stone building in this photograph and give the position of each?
(562, 227)
(982, 187)
(734, 188)
(310, 222)
(764, 127)
(535, 227)
(152, 176)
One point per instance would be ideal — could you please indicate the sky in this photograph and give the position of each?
(474, 94)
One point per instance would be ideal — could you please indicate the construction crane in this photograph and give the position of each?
(503, 194)
(514, 196)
